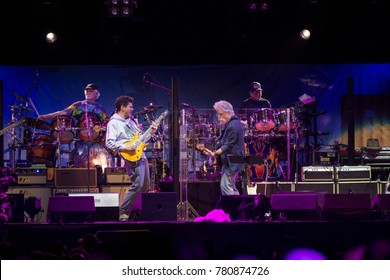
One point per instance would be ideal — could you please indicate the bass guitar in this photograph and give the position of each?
(139, 141)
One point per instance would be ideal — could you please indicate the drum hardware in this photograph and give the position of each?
(38, 124)
(264, 119)
(62, 128)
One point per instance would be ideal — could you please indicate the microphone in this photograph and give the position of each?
(143, 83)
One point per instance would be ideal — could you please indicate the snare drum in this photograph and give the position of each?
(264, 119)
(89, 126)
(281, 117)
(62, 128)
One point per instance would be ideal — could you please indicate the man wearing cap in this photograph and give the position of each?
(78, 108)
(255, 99)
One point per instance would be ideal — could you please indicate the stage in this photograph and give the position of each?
(186, 240)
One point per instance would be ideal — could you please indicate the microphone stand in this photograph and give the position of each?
(88, 145)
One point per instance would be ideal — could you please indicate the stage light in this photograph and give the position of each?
(51, 37)
(121, 8)
(305, 34)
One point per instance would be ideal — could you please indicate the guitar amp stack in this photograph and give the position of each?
(31, 176)
(116, 175)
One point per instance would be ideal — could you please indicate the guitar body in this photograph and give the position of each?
(135, 155)
(217, 162)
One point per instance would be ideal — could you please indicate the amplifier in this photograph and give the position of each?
(31, 176)
(351, 173)
(317, 173)
(57, 191)
(116, 175)
(70, 178)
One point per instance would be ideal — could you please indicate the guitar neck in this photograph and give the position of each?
(148, 131)
(5, 130)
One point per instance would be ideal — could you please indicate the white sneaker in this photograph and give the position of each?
(123, 217)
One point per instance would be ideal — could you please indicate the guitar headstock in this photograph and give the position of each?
(165, 113)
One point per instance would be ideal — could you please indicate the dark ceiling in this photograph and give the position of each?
(195, 32)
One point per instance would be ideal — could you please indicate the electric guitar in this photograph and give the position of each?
(202, 148)
(136, 154)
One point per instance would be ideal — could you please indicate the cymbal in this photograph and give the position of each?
(20, 107)
(152, 107)
(142, 112)
(38, 124)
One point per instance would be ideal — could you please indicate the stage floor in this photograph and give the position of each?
(186, 239)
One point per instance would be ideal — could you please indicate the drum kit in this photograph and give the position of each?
(265, 134)
(46, 142)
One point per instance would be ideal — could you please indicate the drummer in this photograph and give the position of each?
(253, 103)
(255, 100)
(78, 108)
(83, 112)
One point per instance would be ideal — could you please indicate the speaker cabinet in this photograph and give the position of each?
(120, 190)
(75, 178)
(106, 205)
(71, 209)
(347, 206)
(15, 212)
(295, 206)
(203, 196)
(381, 206)
(270, 188)
(359, 187)
(158, 206)
(42, 195)
(320, 188)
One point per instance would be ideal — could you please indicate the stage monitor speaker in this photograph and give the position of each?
(381, 206)
(245, 207)
(155, 206)
(75, 177)
(71, 209)
(346, 206)
(203, 196)
(295, 206)
(106, 205)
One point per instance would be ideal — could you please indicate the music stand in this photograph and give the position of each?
(246, 159)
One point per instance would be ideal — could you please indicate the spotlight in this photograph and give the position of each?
(51, 37)
(121, 8)
(305, 34)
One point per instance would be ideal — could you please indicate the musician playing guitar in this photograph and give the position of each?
(231, 143)
(123, 136)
